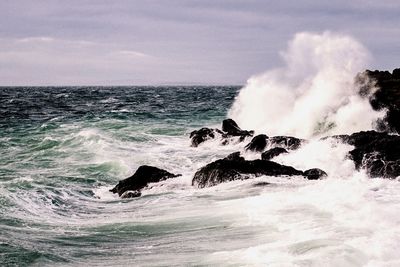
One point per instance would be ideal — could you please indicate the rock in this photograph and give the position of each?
(258, 143)
(235, 167)
(273, 152)
(376, 152)
(315, 174)
(386, 97)
(396, 74)
(131, 194)
(287, 142)
(231, 128)
(199, 136)
(140, 179)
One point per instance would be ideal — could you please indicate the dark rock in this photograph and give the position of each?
(258, 143)
(396, 74)
(199, 136)
(141, 178)
(235, 167)
(315, 174)
(287, 142)
(273, 152)
(376, 152)
(386, 97)
(231, 128)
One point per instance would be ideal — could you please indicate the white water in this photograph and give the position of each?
(312, 94)
(343, 220)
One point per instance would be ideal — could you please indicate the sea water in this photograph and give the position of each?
(62, 149)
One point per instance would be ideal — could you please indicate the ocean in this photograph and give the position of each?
(63, 149)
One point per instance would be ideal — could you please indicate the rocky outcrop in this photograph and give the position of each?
(235, 167)
(273, 152)
(387, 95)
(376, 152)
(258, 143)
(130, 187)
(231, 128)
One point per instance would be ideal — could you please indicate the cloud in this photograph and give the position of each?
(176, 41)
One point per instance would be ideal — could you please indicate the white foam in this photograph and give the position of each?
(314, 93)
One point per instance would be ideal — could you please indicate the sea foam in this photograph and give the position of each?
(314, 93)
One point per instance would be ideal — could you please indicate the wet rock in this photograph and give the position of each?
(202, 135)
(258, 143)
(141, 178)
(315, 174)
(376, 152)
(131, 194)
(287, 142)
(235, 167)
(273, 152)
(231, 128)
(386, 97)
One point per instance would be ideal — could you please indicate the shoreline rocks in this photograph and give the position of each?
(235, 167)
(230, 129)
(376, 152)
(387, 95)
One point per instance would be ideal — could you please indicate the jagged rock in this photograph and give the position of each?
(376, 152)
(140, 179)
(258, 143)
(287, 142)
(235, 167)
(199, 136)
(273, 152)
(386, 97)
(231, 128)
(315, 174)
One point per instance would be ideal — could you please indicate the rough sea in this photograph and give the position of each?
(63, 148)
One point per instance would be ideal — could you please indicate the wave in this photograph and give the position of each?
(314, 93)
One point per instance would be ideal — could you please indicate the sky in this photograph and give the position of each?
(166, 42)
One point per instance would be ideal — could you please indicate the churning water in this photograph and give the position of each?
(62, 149)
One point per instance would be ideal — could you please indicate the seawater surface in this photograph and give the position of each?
(62, 149)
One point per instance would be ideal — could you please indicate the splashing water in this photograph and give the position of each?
(313, 94)
(64, 148)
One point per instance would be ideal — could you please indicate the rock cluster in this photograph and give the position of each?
(230, 129)
(376, 152)
(235, 167)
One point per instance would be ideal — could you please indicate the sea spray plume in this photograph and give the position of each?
(313, 94)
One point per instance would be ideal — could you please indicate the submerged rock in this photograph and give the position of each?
(140, 179)
(273, 152)
(235, 167)
(315, 174)
(287, 142)
(131, 194)
(376, 152)
(258, 143)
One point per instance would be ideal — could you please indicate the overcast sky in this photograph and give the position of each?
(121, 42)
